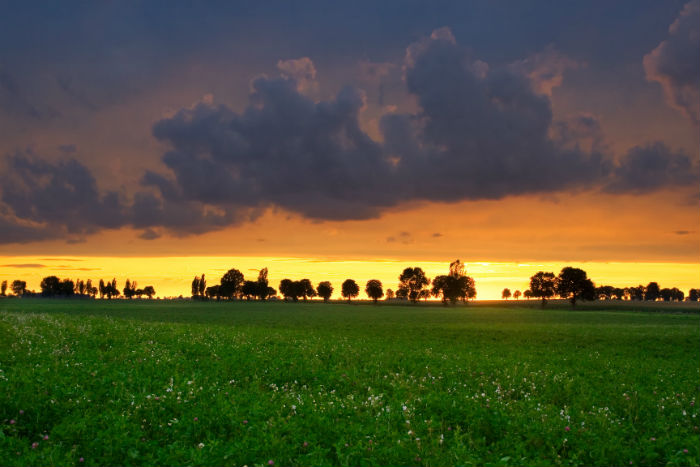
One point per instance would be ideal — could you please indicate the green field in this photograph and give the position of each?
(182, 383)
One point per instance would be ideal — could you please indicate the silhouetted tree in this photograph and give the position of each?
(129, 289)
(111, 290)
(18, 287)
(652, 291)
(263, 285)
(306, 289)
(636, 293)
(506, 293)
(517, 294)
(249, 289)
(195, 287)
(455, 285)
(67, 288)
(350, 289)
(677, 295)
(618, 293)
(50, 286)
(604, 292)
(389, 294)
(149, 291)
(543, 285)
(3, 288)
(374, 290)
(413, 284)
(202, 285)
(231, 283)
(666, 294)
(213, 292)
(527, 294)
(90, 289)
(324, 290)
(103, 288)
(291, 289)
(574, 284)
(694, 295)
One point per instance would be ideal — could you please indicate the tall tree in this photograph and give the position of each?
(350, 289)
(202, 285)
(506, 293)
(3, 288)
(574, 284)
(324, 290)
(195, 287)
(103, 288)
(543, 285)
(412, 284)
(374, 290)
(263, 285)
(231, 283)
(517, 294)
(127, 289)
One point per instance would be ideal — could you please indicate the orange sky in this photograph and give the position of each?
(63, 103)
(172, 276)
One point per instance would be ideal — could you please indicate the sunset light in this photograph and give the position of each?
(350, 233)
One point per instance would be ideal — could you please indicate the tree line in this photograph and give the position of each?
(571, 283)
(413, 285)
(52, 286)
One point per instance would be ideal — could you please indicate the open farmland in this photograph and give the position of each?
(206, 383)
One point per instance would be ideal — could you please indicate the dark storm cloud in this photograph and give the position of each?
(284, 149)
(648, 168)
(480, 131)
(63, 194)
(674, 63)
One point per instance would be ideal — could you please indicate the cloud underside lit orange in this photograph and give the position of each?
(621, 240)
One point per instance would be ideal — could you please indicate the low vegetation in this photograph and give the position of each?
(86, 382)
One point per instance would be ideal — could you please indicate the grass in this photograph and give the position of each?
(181, 383)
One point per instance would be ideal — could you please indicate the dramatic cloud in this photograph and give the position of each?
(479, 132)
(648, 168)
(674, 63)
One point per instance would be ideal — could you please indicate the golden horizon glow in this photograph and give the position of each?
(172, 275)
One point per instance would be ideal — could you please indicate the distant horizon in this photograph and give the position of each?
(172, 275)
(367, 135)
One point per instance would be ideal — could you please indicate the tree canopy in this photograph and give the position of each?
(574, 284)
(413, 284)
(350, 289)
(543, 285)
(374, 289)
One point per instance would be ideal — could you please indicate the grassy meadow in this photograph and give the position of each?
(206, 383)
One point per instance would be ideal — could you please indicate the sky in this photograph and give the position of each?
(158, 140)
